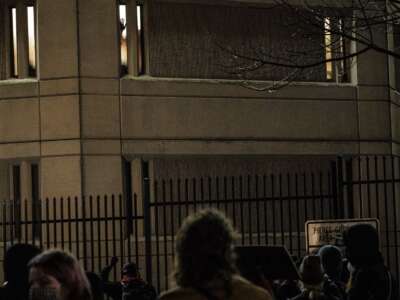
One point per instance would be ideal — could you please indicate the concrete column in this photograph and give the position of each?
(57, 38)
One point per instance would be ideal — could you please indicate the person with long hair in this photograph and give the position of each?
(57, 275)
(205, 262)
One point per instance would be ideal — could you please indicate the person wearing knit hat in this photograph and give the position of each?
(315, 284)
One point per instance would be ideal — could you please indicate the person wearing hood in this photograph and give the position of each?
(369, 279)
(131, 286)
(16, 271)
(332, 265)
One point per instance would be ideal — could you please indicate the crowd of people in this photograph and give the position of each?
(205, 269)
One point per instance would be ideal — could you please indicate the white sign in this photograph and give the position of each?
(330, 232)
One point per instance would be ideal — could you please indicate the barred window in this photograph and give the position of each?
(132, 38)
(17, 39)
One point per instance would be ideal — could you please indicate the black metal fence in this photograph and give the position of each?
(264, 208)
(94, 229)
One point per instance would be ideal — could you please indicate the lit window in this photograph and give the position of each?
(14, 43)
(18, 36)
(139, 14)
(123, 36)
(138, 65)
(31, 41)
(328, 48)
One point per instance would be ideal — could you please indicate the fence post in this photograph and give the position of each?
(337, 185)
(147, 219)
(350, 183)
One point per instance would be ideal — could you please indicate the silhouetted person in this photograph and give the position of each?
(131, 286)
(205, 264)
(369, 278)
(57, 275)
(16, 271)
(314, 284)
(332, 264)
(96, 285)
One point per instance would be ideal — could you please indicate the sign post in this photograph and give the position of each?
(330, 232)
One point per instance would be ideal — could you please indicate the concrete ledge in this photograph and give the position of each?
(19, 150)
(18, 88)
(375, 148)
(59, 148)
(374, 93)
(137, 148)
(59, 87)
(101, 147)
(100, 86)
(231, 89)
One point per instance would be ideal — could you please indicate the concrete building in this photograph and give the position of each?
(69, 119)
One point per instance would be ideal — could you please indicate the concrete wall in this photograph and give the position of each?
(80, 117)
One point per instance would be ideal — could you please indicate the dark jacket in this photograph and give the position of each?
(137, 289)
(370, 280)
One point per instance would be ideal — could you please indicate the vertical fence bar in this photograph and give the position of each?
(178, 191)
(385, 191)
(361, 206)
(376, 187)
(396, 244)
(106, 228)
(290, 214)
(4, 213)
(313, 198)
(69, 223)
(321, 193)
(62, 223)
(257, 211)
(337, 186)
(113, 228)
(122, 219)
(98, 213)
(217, 198)
(156, 228)
(47, 223)
(349, 185)
(84, 235)
(273, 209)
(165, 235)
(305, 197)
(172, 233)
(225, 197)
(368, 189)
(91, 232)
(265, 209)
(25, 222)
(281, 209)
(249, 203)
(209, 189)
(233, 190)
(55, 242)
(241, 209)
(296, 192)
(187, 196)
(136, 230)
(77, 228)
(202, 193)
